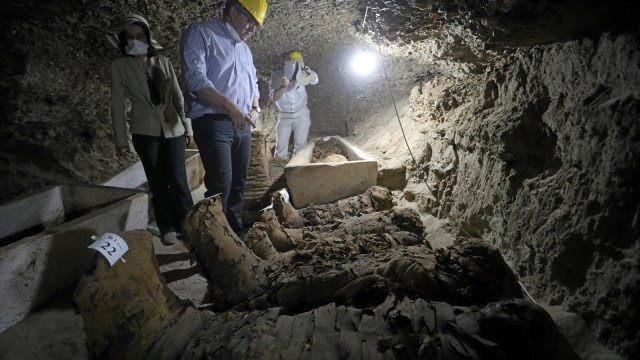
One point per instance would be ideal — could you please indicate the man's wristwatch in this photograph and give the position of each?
(257, 109)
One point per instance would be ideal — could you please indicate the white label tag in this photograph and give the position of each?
(284, 194)
(111, 246)
(267, 208)
(218, 194)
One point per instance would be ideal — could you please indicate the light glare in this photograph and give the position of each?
(363, 63)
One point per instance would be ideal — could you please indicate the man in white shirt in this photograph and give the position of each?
(221, 98)
(287, 90)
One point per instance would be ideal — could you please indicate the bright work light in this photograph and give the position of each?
(363, 63)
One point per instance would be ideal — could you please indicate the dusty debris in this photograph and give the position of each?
(397, 328)
(275, 231)
(393, 178)
(328, 151)
(287, 215)
(363, 284)
(226, 259)
(376, 198)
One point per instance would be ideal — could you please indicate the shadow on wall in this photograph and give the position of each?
(529, 146)
(573, 261)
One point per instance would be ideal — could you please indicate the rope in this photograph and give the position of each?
(386, 76)
(384, 68)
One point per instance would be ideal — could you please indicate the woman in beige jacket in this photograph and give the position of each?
(160, 131)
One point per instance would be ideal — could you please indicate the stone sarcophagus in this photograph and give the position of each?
(329, 169)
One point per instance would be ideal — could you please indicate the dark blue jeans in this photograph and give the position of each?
(164, 165)
(225, 155)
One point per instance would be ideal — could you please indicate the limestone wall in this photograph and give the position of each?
(540, 156)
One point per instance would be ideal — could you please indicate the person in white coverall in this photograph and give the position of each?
(287, 90)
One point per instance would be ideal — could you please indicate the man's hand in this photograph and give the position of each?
(217, 98)
(238, 118)
(285, 82)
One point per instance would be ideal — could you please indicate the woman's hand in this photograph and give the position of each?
(189, 140)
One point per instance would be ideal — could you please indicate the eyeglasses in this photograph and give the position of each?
(250, 20)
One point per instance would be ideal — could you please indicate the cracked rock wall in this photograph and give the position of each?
(540, 156)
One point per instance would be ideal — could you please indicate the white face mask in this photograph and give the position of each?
(137, 47)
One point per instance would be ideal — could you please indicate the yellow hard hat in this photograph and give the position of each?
(257, 8)
(295, 55)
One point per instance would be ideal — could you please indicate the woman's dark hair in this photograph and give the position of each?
(122, 39)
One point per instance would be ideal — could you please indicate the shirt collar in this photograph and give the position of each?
(233, 32)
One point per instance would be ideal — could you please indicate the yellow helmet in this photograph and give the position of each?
(294, 55)
(257, 8)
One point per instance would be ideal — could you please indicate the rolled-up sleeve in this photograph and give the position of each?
(194, 66)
